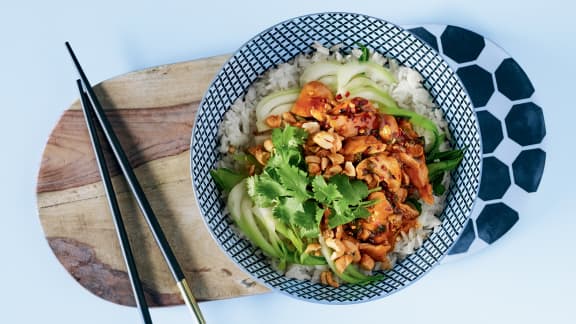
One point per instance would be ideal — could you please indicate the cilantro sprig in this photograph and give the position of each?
(298, 199)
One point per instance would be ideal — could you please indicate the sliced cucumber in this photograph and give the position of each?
(240, 207)
(330, 82)
(264, 218)
(337, 76)
(274, 101)
(372, 70)
(361, 81)
(279, 110)
(375, 94)
(278, 226)
(319, 70)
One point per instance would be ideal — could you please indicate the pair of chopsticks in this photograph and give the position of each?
(95, 116)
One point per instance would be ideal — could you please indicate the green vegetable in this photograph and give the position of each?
(450, 161)
(440, 163)
(365, 53)
(307, 259)
(226, 179)
(434, 149)
(446, 155)
(438, 188)
(319, 70)
(287, 146)
(372, 70)
(414, 203)
(353, 273)
(240, 207)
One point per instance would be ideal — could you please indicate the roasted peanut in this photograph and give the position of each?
(314, 168)
(259, 153)
(311, 127)
(273, 121)
(342, 262)
(333, 170)
(349, 169)
(337, 143)
(352, 249)
(336, 158)
(366, 262)
(324, 139)
(312, 159)
(323, 163)
(327, 279)
(268, 146)
(312, 248)
(288, 117)
(389, 129)
(339, 231)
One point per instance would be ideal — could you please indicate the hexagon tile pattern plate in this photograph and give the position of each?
(512, 128)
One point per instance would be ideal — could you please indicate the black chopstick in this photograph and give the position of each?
(113, 204)
(138, 193)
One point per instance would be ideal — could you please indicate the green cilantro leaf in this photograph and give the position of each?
(361, 212)
(343, 197)
(264, 191)
(294, 180)
(353, 192)
(309, 219)
(325, 193)
(287, 209)
(287, 143)
(288, 137)
(341, 208)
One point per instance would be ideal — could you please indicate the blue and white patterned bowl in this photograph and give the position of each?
(283, 42)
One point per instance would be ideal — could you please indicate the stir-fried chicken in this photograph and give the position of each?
(314, 100)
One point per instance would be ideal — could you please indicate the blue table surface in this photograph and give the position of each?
(526, 277)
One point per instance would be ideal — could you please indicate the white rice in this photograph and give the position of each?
(239, 126)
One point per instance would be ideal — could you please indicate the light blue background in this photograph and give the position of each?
(527, 277)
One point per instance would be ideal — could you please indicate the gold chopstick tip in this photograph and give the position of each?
(190, 301)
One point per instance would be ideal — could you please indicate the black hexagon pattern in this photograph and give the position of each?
(523, 123)
(478, 82)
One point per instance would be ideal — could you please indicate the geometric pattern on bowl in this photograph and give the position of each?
(283, 42)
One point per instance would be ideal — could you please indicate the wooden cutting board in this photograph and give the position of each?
(152, 112)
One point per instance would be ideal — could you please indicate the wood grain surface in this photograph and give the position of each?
(152, 111)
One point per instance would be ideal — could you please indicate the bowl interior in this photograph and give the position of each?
(283, 42)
